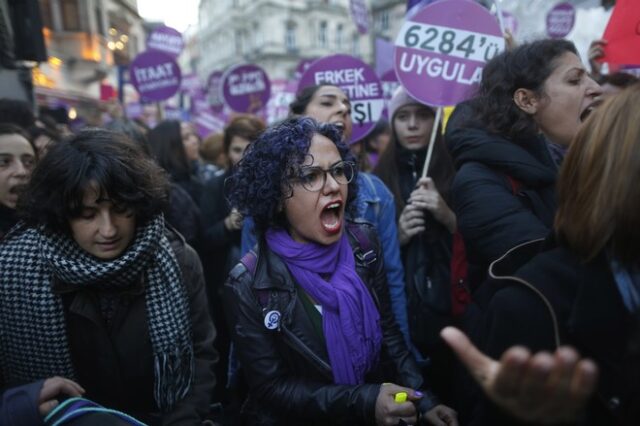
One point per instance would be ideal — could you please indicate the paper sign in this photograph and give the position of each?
(360, 15)
(246, 88)
(166, 39)
(155, 75)
(358, 81)
(441, 51)
(560, 20)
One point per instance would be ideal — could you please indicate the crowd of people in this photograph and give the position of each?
(284, 274)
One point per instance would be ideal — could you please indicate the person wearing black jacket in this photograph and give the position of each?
(310, 312)
(583, 289)
(503, 192)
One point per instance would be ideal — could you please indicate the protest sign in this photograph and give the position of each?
(623, 34)
(167, 40)
(155, 75)
(246, 88)
(560, 20)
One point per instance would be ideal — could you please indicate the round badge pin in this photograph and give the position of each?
(272, 320)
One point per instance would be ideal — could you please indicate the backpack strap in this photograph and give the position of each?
(364, 251)
(250, 261)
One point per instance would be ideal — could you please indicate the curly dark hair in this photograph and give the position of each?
(526, 67)
(109, 160)
(262, 179)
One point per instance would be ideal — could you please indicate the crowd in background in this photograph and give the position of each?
(284, 275)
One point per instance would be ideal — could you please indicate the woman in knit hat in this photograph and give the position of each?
(425, 223)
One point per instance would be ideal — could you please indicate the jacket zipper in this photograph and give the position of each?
(304, 350)
(554, 319)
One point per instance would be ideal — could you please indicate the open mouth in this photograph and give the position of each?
(588, 110)
(16, 189)
(339, 125)
(331, 217)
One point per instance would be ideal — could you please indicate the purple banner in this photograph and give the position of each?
(190, 84)
(213, 91)
(358, 81)
(360, 15)
(441, 51)
(155, 75)
(283, 92)
(384, 56)
(560, 20)
(246, 88)
(167, 40)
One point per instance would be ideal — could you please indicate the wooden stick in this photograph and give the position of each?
(434, 132)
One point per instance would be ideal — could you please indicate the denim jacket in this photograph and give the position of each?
(375, 205)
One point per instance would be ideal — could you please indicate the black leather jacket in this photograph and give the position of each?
(287, 367)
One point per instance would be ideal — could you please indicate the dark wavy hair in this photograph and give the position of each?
(262, 179)
(165, 142)
(526, 67)
(109, 160)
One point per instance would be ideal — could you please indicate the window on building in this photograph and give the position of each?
(322, 34)
(290, 36)
(355, 45)
(99, 22)
(45, 11)
(339, 36)
(70, 15)
(384, 20)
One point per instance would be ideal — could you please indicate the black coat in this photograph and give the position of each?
(557, 299)
(288, 368)
(491, 217)
(114, 363)
(8, 218)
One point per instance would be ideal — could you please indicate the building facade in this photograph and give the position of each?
(276, 34)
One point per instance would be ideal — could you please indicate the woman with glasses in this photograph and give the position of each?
(309, 311)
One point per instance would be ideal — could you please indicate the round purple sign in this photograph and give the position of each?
(213, 91)
(360, 15)
(166, 39)
(441, 51)
(358, 81)
(560, 20)
(246, 88)
(155, 75)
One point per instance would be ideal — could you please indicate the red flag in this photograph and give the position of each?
(623, 34)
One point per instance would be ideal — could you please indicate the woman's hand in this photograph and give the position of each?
(540, 388)
(595, 52)
(54, 387)
(427, 197)
(411, 223)
(441, 415)
(389, 412)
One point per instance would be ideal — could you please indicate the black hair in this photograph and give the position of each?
(12, 129)
(303, 98)
(618, 79)
(108, 160)
(165, 141)
(16, 112)
(262, 180)
(526, 67)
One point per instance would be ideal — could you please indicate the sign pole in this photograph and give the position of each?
(499, 15)
(434, 132)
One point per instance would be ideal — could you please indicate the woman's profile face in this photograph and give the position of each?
(569, 96)
(329, 104)
(104, 229)
(318, 216)
(413, 124)
(190, 142)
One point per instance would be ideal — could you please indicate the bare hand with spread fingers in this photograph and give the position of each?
(541, 388)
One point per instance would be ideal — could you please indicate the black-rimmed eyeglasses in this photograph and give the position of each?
(314, 178)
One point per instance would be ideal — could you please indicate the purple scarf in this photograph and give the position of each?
(350, 320)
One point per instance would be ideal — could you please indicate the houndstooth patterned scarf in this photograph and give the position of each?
(33, 340)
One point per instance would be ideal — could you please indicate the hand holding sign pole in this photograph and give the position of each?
(441, 51)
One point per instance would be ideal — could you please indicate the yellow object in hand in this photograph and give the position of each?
(401, 397)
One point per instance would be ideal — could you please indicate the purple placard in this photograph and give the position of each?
(441, 51)
(166, 39)
(207, 122)
(246, 88)
(155, 75)
(190, 84)
(133, 110)
(358, 81)
(302, 67)
(360, 15)
(560, 20)
(213, 91)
